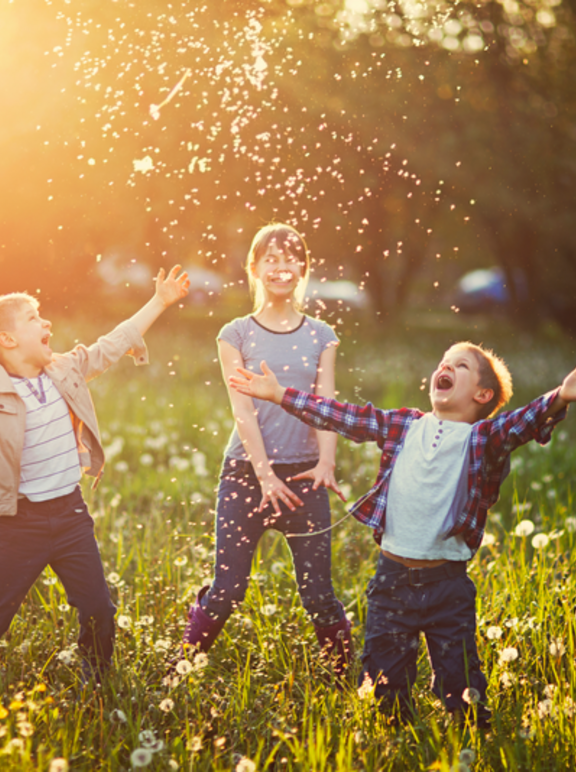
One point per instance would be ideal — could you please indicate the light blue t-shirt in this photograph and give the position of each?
(293, 357)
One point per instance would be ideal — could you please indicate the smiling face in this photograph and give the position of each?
(279, 270)
(455, 390)
(25, 344)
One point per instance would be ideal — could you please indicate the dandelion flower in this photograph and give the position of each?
(508, 654)
(147, 738)
(540, 541)
(181, 561)
(550, 690)
(25, 728)
(65, 656)
(58, 765)
(488, 539)
(162, 644)
(146, 459)
(141, 757)
(467, 756)
(113, 578)
(200, 661)
(524, 528)
(146, 620)
(118, 715)
(184, 667)
(124, 622)
(471, 696)
(173, 764)
(556, 648)
(570, 524)
(269, 609)
(544, 708)
(245, 765)
(494, 633)
(507, 679)
(195, 744)
(511, 622)
(166, 705)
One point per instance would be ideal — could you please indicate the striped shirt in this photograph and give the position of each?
(50, 465)
(491, 442)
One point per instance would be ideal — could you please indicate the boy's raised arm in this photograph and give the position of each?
(169, 289)
(264, 386)
(566, 395)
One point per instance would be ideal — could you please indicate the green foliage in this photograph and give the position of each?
(262, 695)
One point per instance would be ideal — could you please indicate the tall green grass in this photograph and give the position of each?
(262, 699)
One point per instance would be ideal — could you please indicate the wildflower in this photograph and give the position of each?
(540, 541)
(124, 622)
(511, 622)
(544, 708)
(524, 528)
(161, 645)
(63, 607)
(25, 728)
(245, 765)
(493, 633)
(58, 765)
(181, 561)
(195, 744)
(145, 620)
(184, 667)
(16, 744)
(471, 696)
(366, 687)
(488, 539)
(508, 654)
(507, 679)
(50, 580)
(166, 705)
(570, 524)
(556, 647)
(113, 578)
(467, 756)
(141, 757)
(118, 715)
(269, 609)
(173, 764)
(146, 459)
(550, 690)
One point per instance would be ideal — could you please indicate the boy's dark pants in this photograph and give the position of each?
(58, 533)
(440, 602)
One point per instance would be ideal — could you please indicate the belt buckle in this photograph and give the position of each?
(413, 577)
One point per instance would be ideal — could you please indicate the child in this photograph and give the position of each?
(275, 471)
(439, 474)
(48, 435)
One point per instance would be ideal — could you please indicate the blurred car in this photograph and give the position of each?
(117, 271)
(334, 294)
(485, 290)
(205, 285)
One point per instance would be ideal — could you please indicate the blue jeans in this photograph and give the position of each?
(239, 527)
(398, 612)
(58, 533)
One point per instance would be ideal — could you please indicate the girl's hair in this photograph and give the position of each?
(494, 374)
(9, 306)
(287, 239)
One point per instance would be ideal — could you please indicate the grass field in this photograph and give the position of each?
(260, 699)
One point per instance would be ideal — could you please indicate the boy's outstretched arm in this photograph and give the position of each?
(169, 289)
(264, 386)
(566, 395)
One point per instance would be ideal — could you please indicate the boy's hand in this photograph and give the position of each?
(171, 288)
(264, 386)
(568, 388)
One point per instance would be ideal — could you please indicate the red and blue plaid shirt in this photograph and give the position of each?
(491, 442)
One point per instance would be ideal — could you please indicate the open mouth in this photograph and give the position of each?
(46, 340)
(444, 383)
(283, 277)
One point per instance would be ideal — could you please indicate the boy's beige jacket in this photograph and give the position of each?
(70, 372)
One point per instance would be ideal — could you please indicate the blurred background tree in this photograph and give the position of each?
(410, 142)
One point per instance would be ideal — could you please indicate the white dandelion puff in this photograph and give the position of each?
(508, 654)
(124, 622)
(269, 609)
(524, 528)
(141, 757)
(556, 648)
(181, 561)
(166, 705)
(540, 541)
(471, 696)
(118, 715)
(494, 633)
(184, 667)
(245, 765)
(59, 765)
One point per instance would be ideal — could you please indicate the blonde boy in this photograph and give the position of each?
(439, 474)
(48, 435)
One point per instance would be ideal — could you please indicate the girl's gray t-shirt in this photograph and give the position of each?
(294, 358)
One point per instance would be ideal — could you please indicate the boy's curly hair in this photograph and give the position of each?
(494, 374)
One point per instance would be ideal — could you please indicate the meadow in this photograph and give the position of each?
(262, 699)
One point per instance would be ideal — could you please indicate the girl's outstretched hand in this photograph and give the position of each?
(322, 474)
(171, 288)
(568, 388)
(263, 386)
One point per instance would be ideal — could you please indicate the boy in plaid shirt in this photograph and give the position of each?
(439, 474)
